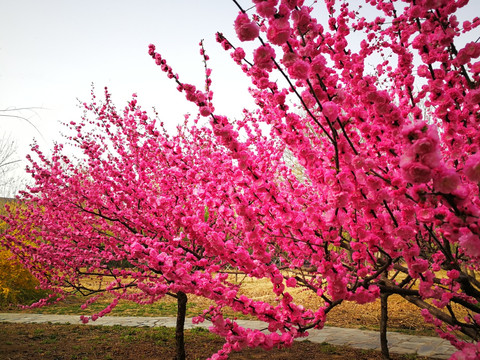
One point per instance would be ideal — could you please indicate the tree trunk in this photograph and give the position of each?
(383, 325)
(179, 336)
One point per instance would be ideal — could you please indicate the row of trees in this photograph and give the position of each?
(387, 201)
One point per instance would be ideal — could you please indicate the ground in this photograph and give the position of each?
(63, 342)
(403, 316)
(75, 342)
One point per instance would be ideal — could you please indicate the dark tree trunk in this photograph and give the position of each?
(383, 325)
(179, 336)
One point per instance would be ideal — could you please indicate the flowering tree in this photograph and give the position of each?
(387, 201)
(144, 214)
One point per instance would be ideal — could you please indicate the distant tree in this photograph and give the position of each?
(140, 212)
(8, 163)
(10, 183)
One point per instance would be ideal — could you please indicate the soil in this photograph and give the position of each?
(70, 342)
(74, 342)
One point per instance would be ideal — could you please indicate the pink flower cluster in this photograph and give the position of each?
(422, 153)
(246, 29)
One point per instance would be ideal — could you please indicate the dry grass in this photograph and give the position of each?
(403, 316)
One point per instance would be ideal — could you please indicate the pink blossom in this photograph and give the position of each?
(419, 266)
(246, 30)
(255, 338)
(278, 35)
(291, 282)
(299, 69)
(468, 352)
(453, 274)
(470, 243)
(280, 98)
(330, 110)
(476, 67)
(205, 110)
(292, 3)
(472, 168)
(137, 250)
(424, 145)
(432, 159)
(289, 58)
(318, 65)
(263, 57)
(238, 55)
(416, 172)
(471, 50)
(412, 132)
(301, 19)
(266, 8)
(473, 97)
(277, 279)
(446, 181)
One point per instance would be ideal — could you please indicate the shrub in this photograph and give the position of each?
(17, 284)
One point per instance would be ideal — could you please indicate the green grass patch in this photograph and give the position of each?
(72, 306)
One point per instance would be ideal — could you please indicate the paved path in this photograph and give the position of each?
(398, 343)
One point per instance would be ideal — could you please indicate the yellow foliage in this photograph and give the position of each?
(17, 284)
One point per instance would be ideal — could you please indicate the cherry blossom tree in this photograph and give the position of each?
(143, 214)
(387, 201)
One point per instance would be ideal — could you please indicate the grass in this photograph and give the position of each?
(403, 316)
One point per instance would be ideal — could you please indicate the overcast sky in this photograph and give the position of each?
(52, 50)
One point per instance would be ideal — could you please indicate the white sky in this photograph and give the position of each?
(52, 50)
